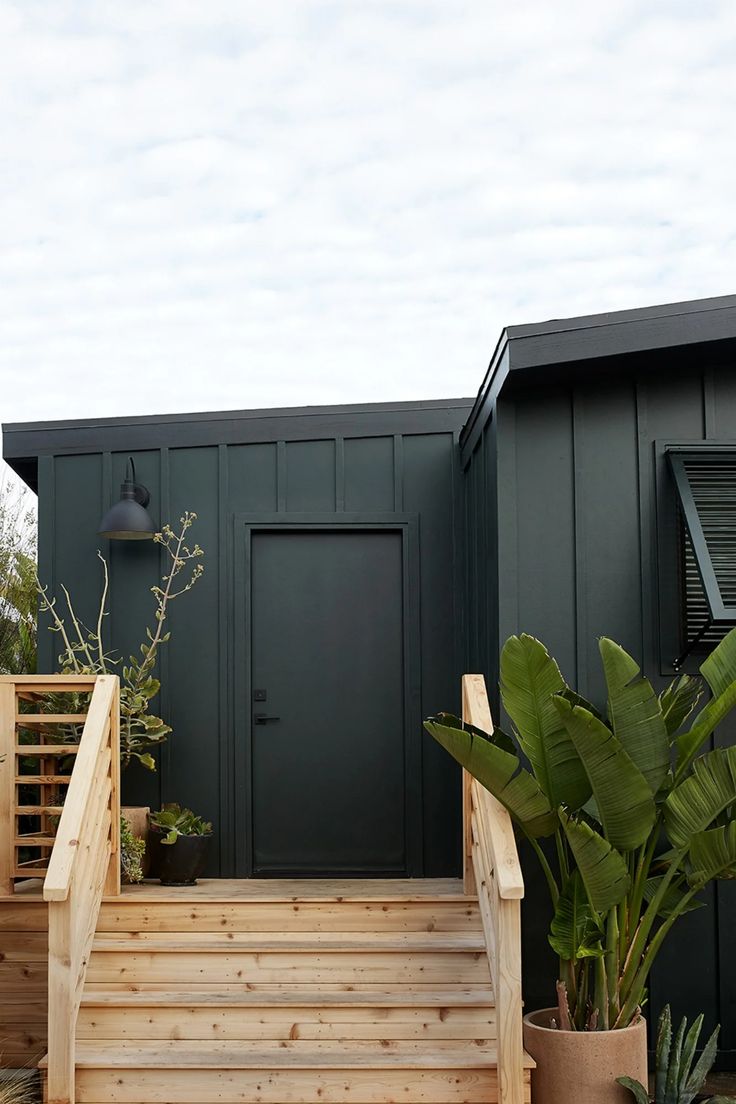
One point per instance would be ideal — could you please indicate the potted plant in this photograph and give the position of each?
(179, 842)
(676, 1079)
(629, 818)
(132, 853)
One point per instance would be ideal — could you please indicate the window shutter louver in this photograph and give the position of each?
(706, 487)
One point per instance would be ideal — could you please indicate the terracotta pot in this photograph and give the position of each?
(581, 1067)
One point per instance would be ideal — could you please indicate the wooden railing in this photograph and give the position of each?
(84, 865)
(79, 861)
(491, 869)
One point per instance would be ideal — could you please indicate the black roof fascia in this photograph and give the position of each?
(597, 336)
(23, 442)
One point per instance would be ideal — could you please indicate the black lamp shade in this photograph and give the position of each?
(129, 519)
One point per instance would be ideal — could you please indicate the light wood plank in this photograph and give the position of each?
(7, 787)
(146, 917)
(51, 684)
(507, 868)
(42, 780)
(279, 890)
(295, 943)
(276, 996)
(279, 1086)
(300, 1022)
(48, 751)
(286, 968)
(294, 1054)
(22, 719)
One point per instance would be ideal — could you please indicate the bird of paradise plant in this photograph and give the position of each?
(629, 816)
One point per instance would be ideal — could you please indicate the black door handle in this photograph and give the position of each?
(263, 718)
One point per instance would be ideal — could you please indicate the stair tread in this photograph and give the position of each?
(310, 942)
(410, 996)
(159, 1054)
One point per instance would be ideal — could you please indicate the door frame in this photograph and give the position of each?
(240, 786)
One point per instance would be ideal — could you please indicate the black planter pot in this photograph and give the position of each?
(180, 863)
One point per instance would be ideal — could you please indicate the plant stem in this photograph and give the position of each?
(554, 889)
(80, 635)
(639, 942)
(612, 964)
(646, 855)
(600, 1000)
(101, 613)
(562, 856)
(637, 986)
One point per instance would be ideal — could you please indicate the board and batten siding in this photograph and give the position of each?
(414, 472)
(571, 526)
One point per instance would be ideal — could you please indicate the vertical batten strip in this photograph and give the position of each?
(339, 474)
(281, 476)
(163, 661)
(225, 740)
(398, 472)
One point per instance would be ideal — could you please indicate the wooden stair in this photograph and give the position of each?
(287, 1000)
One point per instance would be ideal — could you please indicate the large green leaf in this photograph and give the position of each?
(625, 802)
(694, 804)
(719, 669)
(576, 930)
(635, 714)
(690, 743)
(678, 700)
(713, 855)
(602, 868)
(499, 770)
(672, 899)
(529, 680)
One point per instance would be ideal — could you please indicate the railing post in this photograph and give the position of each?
(494, 866)
(61, 1018)
(7, 788)
(509, 1006)
(112, 881)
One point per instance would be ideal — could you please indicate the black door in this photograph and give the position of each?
(328, 672)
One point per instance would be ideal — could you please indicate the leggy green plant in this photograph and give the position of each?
(84, 650)
(628, 819)
(174, 822)
(132, 850)
(677, 1079)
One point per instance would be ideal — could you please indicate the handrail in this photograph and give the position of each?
(491, 869)
(84, 865)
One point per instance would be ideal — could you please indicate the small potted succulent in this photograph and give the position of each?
(179, 840)
(678, 1078)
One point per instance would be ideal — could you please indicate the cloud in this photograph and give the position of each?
(237, 204)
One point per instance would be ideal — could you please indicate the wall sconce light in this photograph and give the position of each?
(129, 519)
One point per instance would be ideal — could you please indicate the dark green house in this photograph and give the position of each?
(359, 559)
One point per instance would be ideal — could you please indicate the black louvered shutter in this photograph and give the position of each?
(706, 488)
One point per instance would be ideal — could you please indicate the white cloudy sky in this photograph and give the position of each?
(212, 204)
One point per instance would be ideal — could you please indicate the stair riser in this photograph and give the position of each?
(368, 1086)
(293, 1023)
(288, 916)
(287, 969)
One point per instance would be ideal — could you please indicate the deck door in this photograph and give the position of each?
(328, 703)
